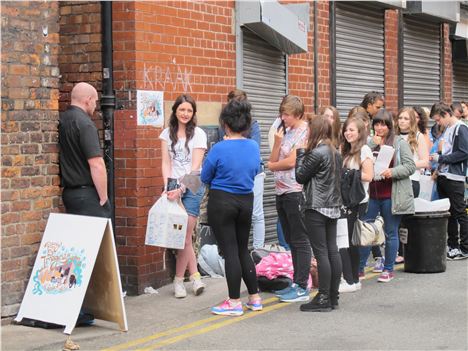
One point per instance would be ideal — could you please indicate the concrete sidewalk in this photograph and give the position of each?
(145, 313)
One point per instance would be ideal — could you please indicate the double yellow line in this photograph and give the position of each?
(189, 330)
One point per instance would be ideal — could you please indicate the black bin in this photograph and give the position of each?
(425, 250)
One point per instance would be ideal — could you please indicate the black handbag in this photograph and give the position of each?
(352, 190)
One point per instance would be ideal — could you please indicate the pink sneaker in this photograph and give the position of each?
(386, 276)
(362, 276)
(228, 308)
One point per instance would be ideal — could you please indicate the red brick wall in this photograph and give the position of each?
(301, 71)
(80, 45)
(176, 47)
(391, 60)
(324, 85)
(30, 81)
(446, 59)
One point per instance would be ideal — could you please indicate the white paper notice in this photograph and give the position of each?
(383, 159)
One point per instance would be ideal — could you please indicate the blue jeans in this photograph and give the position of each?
(281, 239)
(391, 224)
(258, 219)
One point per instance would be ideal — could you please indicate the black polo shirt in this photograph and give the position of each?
(78, 141)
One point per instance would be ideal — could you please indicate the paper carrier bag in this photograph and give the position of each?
(167, 224)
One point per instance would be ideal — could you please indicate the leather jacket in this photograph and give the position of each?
(320, 172)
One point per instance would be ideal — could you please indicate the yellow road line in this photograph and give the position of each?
(215, 326)
(225, 321)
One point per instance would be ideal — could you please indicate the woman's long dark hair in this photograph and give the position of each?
(348, 151)
(174, 123)
(384, 116)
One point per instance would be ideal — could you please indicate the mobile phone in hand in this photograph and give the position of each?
(282, 126)
(172, 184)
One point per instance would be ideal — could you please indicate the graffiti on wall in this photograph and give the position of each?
(172, 77)
(61, 269)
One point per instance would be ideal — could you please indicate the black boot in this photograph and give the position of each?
(334, 300)
(320, 303)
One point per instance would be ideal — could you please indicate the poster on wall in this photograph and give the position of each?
(150, 108)
(76, 266)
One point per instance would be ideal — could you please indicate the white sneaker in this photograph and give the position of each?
(358, 286)
(179, 288)
(197, 285)
(345, 287)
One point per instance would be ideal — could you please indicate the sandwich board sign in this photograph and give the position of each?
(76, 266)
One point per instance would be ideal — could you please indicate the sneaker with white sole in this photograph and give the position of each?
(345, 287)
(296, 294)
(254, 305)
(179, 288)
(358, 285)
(386, 276)
(378, 265)
(453, 254)
(228, 308)
(197, 285)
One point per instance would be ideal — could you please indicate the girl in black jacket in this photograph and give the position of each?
(318, 167)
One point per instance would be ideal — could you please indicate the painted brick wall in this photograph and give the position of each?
(391, 60)
(30, 191)
(173, 46)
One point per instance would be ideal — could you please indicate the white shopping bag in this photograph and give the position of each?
(342, 239)
(426, 183)
(167, 224)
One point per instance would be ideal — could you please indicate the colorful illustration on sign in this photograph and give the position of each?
(61, 270)
(150, 109)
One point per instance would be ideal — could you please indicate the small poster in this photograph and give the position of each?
(150, 108)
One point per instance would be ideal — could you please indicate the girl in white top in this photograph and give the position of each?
(407, 126)
(183, 146)
(356, 155)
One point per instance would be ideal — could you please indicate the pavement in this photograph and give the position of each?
(428, 311)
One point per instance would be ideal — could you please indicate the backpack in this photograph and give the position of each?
(352, 190)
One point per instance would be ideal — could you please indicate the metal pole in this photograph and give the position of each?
(108, 100)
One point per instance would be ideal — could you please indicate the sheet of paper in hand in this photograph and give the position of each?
(383, 159)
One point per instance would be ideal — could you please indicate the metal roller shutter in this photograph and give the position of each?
(421, 62)
(359, 53)
(264, 81)
(460, 81)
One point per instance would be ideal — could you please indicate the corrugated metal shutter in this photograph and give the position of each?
(264, 81)
(460, 81)
(359, 53)
(421, 62)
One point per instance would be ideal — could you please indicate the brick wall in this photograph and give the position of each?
(80, 48)
(30, 81)
(446, 60)
(391, 60)
(323, 56)
(171, 46)
(301, 71)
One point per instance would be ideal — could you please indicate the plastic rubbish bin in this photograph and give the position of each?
(425, 248)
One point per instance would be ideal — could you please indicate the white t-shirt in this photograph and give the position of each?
(417, 174)
(366, 152)
(181, 158)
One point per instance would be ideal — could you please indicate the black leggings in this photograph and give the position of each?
(350, 256)
(322, 236)
(230, 217)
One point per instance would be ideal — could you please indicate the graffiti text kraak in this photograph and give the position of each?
(156, 77)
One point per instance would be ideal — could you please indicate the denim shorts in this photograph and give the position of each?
(192, 201)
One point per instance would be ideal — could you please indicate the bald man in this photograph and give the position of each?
(84, 176)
